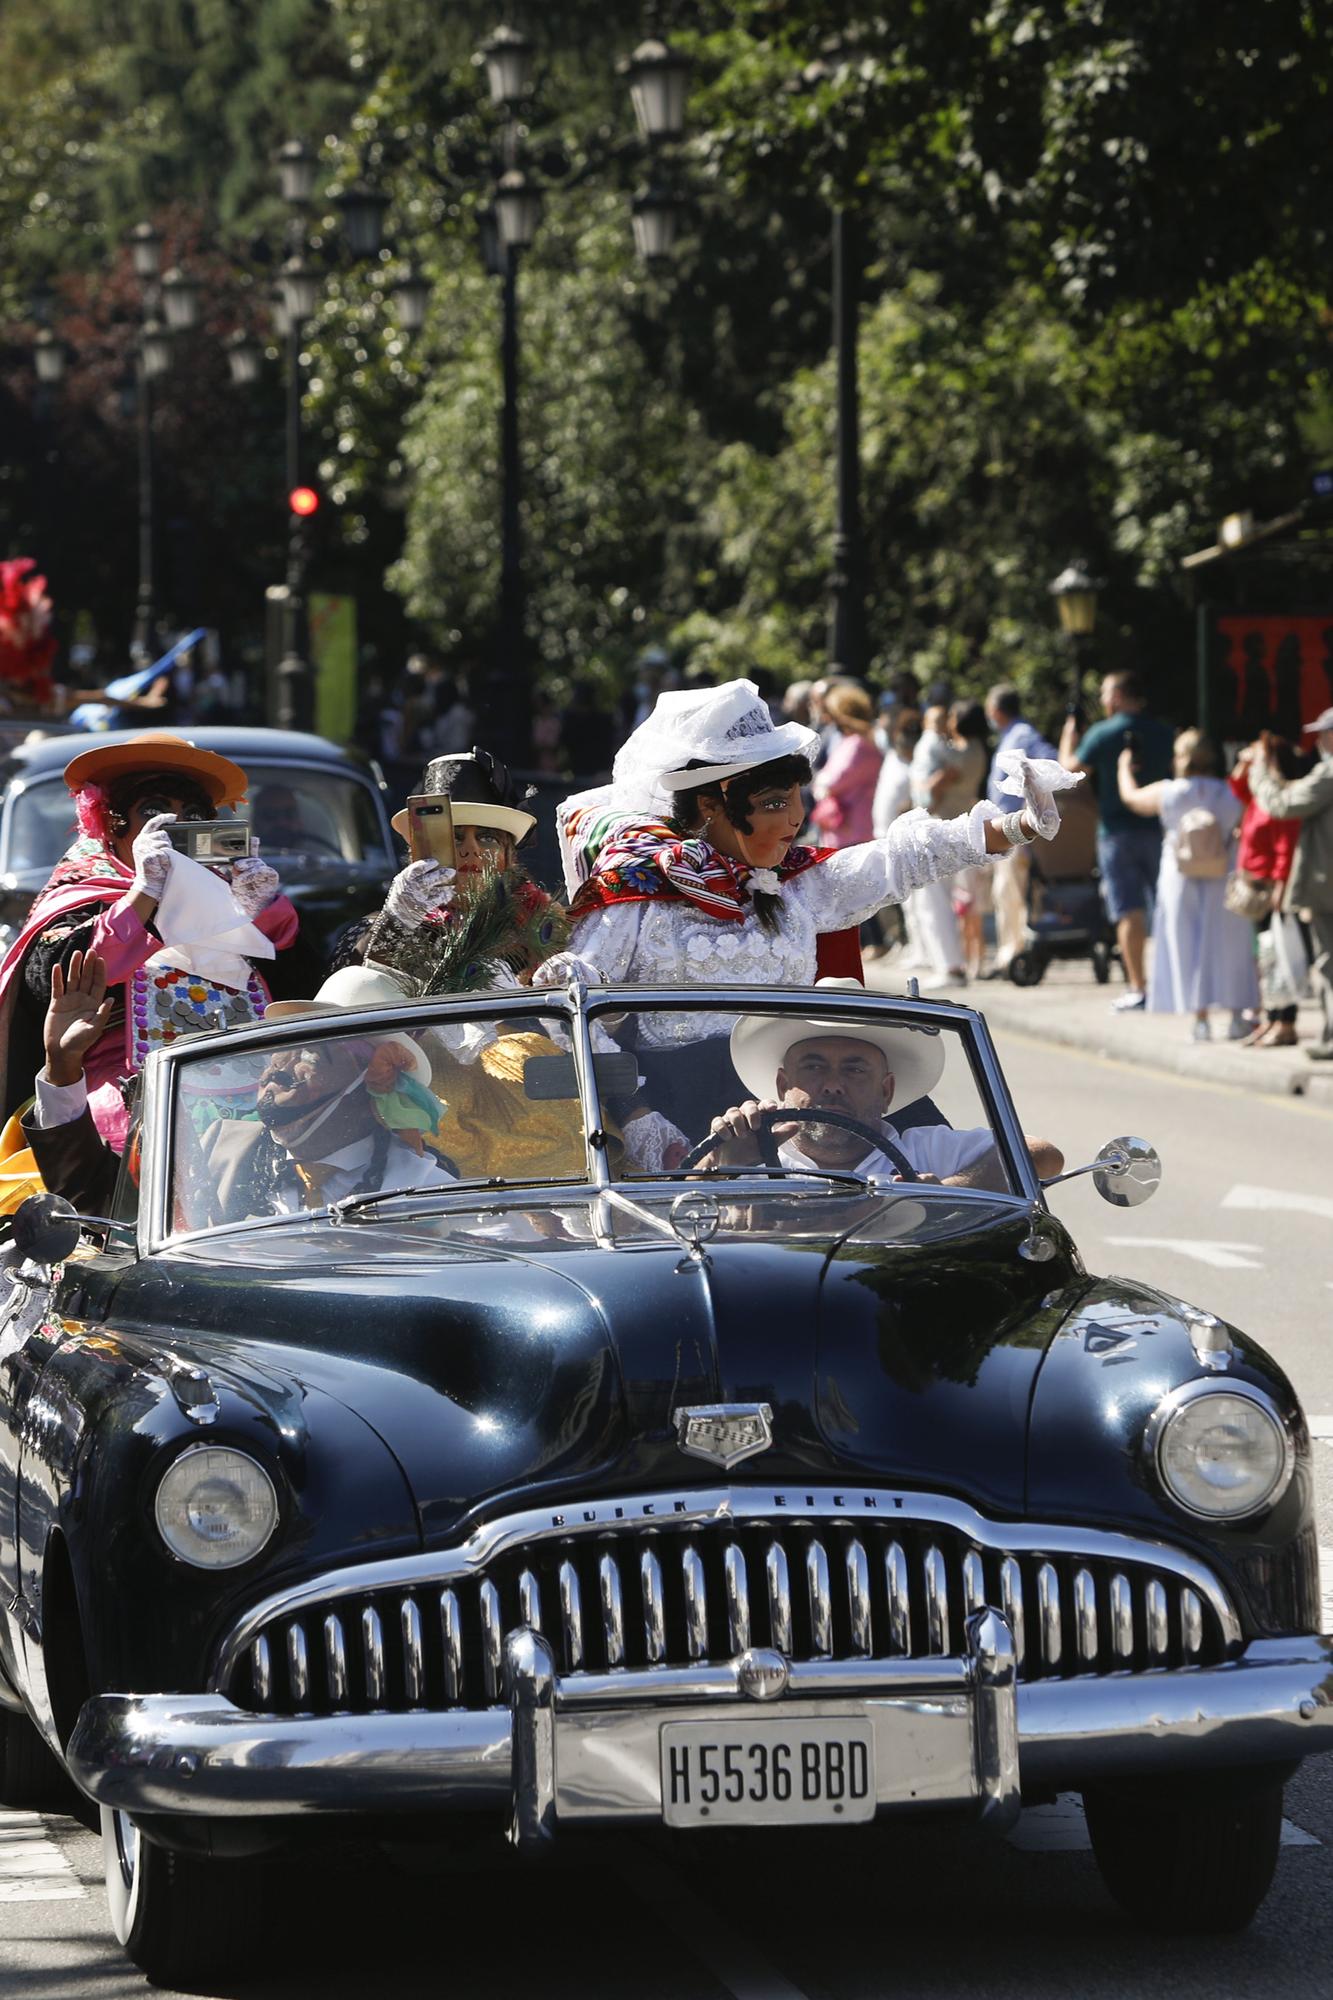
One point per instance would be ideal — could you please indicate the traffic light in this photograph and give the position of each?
(303, 501)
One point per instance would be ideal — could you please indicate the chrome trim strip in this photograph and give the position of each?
(1011, 1603)
(298, 1664)
(335, 1661)
(738, 1598)
(530, 1674)
(990, 1646)
(719, 1681)
(974, 1583)
(492, 1639)
(372, 1655)
(1048, 1613)
(571, 1616)
(451, 1634)
(529, 1601)
(1191, 1624)
(696, 1603)
(261, 1671)
(858, 1594)
(900, 1600)
(1155, 1609)
(821, 1610)
(1085, 1616)
(654, 1616)
(199, 1754)
(684, 1512)
(937, 1602)
(1122, 1618)
(613, 1611)
(599, 1166)
(778, 1575)
(414, 1652)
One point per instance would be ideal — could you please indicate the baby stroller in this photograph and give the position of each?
(1066, 915)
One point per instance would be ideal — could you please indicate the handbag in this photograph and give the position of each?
(1250, 896)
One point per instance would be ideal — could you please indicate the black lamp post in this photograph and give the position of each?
(847, 614)
(1075, 591)
(152, 360)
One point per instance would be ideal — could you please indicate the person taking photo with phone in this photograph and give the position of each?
(179, 940)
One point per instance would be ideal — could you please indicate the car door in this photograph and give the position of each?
(28, 1338)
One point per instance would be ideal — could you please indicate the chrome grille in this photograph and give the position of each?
(636, 1599)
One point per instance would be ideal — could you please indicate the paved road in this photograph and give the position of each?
(1241, 1226)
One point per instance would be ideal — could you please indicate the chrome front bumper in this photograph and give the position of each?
(583, 1748)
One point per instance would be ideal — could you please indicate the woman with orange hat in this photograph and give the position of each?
(177, 939)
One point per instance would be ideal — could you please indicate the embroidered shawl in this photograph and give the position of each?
(623, 859)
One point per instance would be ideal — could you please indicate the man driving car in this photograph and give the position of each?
(858, 1073)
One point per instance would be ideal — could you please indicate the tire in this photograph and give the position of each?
(30, 1776)
(1101, 962)
(1027, 968)
(1181, 1857)
(185, 1920)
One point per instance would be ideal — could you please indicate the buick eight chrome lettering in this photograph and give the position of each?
(601, 1450)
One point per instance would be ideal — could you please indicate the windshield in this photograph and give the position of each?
(319, 814)
(327, 1114)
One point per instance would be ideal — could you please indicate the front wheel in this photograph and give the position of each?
(1181, 1856)
(179, 1916)
(1027, 968)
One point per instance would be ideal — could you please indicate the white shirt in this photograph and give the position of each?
(893, 792)
(928, 1149)
(668, 943)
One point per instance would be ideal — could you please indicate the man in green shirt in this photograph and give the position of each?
(1129, 848)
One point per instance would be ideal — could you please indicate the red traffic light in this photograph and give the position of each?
(303, 500)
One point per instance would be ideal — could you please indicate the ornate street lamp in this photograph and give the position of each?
(1075, 591)
(156, 347)
(278, 313)
(363, 210)
(657, 79)
(296, 172)
(244, 357)
(518, 209)
(507, 55)
(145, 251)
(49, 355)
(656, 216)
(180, 300)
(494, 254)
(299, 283)
(411, 296)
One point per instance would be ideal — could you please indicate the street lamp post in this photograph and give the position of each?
(1075, 591)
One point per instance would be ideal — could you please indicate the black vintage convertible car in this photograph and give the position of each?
(569, 1467)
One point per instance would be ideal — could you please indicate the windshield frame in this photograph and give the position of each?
(578, 1007)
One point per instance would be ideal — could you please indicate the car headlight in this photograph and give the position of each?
(1221, 1453)
(215, 1507)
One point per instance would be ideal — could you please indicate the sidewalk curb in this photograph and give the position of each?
(1065, 1022)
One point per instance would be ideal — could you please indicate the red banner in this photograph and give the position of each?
(1269, 672)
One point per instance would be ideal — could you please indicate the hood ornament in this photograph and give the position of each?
(724, 1433)
(695, 1218)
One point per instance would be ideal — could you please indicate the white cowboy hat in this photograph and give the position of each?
(350, 987)
(466, 812)
(759, 1045)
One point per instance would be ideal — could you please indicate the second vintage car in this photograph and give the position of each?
(574, 1464)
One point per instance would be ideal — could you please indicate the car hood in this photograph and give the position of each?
(513, 1370)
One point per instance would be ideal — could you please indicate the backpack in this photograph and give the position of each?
(1201, 846)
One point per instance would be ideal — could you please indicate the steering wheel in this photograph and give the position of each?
(802, 1114)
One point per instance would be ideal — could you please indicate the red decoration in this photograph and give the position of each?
(27, 646)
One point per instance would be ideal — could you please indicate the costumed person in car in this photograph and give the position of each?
(178, 940)
(683, 869)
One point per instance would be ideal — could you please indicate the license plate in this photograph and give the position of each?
(778, 1772)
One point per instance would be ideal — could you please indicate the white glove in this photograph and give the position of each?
(417, 890)
(562, 966)
(1038, 778)
(151, 855)
(253, 884)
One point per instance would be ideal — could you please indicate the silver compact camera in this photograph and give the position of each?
(214, 843)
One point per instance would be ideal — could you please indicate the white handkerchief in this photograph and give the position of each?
(202, 928)
(1038, 778)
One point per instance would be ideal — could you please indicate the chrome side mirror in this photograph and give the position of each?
(44, 1230)
(1126, 1172)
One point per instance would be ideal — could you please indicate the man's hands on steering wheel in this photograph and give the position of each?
(750, 1134)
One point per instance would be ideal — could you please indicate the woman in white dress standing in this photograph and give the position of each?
(1203, 956)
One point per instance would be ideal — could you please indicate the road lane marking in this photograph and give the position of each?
(1221, 1256)
(1062, 1828)
(1244, 1196)
(33, 1868)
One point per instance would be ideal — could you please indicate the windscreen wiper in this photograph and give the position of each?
(769, 1174)
(354, 1205)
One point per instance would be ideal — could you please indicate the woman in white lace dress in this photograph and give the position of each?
(683, 870)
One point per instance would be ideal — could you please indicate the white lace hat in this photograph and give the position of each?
(759, 1045)
(697, 735)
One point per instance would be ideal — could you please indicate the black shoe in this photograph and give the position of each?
(1319, 1051)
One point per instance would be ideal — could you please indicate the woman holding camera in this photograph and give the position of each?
(177, 938)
